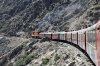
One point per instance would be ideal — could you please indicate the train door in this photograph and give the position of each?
(98, 42)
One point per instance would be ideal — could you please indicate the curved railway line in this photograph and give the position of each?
(87, 39)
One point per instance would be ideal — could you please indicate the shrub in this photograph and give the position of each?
(28, 58)
(23, 45)
(45, 61)
(90, 14)
(24, 56)
(56, 57)
(19, 62)
(23, 60)
(97, 8)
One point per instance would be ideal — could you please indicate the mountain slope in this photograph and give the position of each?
(29, 15)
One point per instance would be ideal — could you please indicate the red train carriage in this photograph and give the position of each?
(98, 42)
(55, 36)
(41, 35)
(49, 35)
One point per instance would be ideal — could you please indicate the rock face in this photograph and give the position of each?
(3, 46)
(24, 15)
(9, 56)
(57, 53)
(44, 15)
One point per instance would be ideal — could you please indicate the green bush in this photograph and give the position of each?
(45, 61)
(24, 56)
(28, 58)
(24, 59)
(23, 45)
(19, 62)
(90, 14)
(56, 57)
(97, 8)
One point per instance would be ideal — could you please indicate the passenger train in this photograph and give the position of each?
(88, 39)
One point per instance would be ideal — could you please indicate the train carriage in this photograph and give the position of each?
(69, 36)
(41, 35)
(75, 37)
(98, 43)
(62, 35)
(49, 35)
(55, 36)
(90, 45)
(81, 39)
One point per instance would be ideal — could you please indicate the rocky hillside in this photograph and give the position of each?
(18, 18)
(25, 15)
(88, 16)
(45, 15)
(45, 52)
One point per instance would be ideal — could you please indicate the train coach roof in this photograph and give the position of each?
(91, 28)
(55, 32)
(46, 33)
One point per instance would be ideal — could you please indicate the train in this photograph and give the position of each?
(88, 39)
